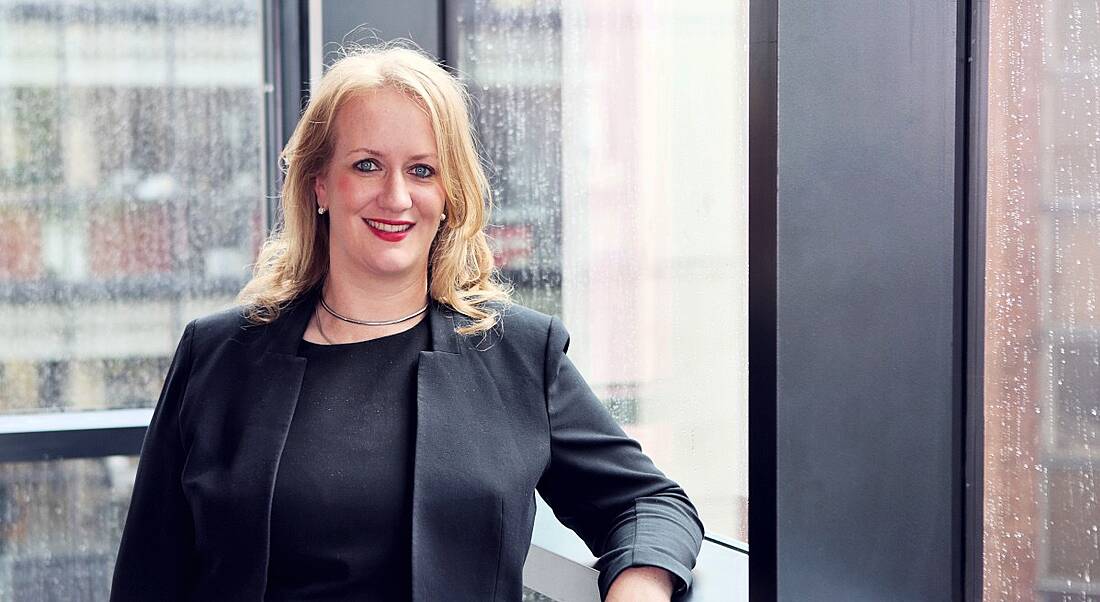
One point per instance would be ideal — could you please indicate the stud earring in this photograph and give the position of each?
(443, 217)
(321, 210)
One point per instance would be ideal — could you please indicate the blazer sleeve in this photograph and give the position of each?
(156, 557)
(601, 485)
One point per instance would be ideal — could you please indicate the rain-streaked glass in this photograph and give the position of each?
(617, 132)
(1042, 314)
(131, 196)
(60, 524)
(131, 200)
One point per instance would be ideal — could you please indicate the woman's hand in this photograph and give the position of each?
(641, 584)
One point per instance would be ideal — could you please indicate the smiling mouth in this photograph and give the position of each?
(387, 227)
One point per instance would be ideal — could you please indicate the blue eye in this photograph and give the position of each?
(423, 171)
(364, 161)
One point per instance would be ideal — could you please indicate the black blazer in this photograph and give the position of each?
(497, 417)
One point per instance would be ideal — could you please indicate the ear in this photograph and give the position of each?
(319, 190)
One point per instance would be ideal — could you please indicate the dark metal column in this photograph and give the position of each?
(763, 32)
(872, 291)
(286, 84)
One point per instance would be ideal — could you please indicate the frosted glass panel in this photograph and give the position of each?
(618, 135)
(1042, 330)
(131, 195)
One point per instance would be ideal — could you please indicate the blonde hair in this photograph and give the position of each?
(461, 272)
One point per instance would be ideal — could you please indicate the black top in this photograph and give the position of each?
(341, 516)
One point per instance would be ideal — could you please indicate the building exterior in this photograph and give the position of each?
(1042, 380)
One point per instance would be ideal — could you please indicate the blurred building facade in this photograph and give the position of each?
(1042, 317)
(129, 191)
(131, 200)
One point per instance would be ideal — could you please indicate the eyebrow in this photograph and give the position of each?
(370, 151)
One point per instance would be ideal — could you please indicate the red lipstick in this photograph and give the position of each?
(389, 236)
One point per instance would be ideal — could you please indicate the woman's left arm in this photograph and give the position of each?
(601, 485)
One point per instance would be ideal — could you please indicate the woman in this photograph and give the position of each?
(371, 422)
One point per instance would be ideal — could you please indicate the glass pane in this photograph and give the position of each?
(60, 524)
(1042, 330)
(530, 595)
(131, 195)
(618, 136)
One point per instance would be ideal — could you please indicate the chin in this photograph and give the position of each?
(396, 268)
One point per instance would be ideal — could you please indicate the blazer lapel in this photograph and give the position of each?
(264, 427)
(457, 522)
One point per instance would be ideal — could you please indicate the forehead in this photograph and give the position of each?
(386, 120)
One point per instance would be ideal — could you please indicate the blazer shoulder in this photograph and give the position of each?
(549, 329)
(213, 329)
(519, 327)
(525, 317)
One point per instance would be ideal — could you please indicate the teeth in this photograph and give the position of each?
(388, 227)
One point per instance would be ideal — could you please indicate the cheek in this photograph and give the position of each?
(345, 187)
(434, 202)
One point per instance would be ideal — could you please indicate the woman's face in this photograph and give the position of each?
(382, 188)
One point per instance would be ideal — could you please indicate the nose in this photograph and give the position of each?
(394, 196)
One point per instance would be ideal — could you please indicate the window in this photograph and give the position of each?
(1042, 339)
(60, 523)
(132, 138)
(625, 218)
(131, 200)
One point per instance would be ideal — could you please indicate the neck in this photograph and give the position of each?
(365, 299)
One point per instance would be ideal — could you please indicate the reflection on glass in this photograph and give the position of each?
(530, 595)
(130, 189)
(60, 523)
(617, 133)
(1042, 339)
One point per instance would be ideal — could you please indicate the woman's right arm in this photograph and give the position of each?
(156, 558)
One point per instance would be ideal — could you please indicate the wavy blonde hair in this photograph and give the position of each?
(461, 272)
